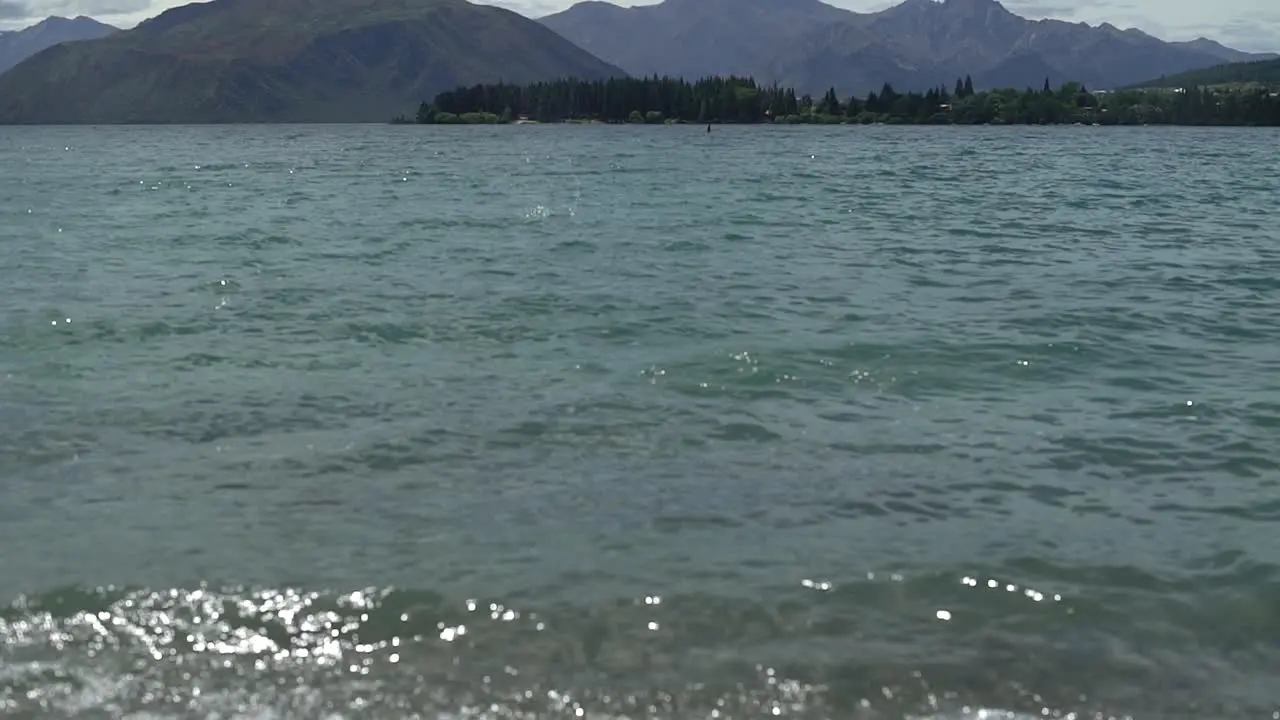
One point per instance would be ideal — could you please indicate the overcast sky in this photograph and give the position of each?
(1246, 24)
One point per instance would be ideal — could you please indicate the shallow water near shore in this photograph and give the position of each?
(620, 422)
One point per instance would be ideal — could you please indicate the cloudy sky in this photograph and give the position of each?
(1246, 24)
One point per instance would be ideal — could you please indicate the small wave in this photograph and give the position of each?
(868, 647)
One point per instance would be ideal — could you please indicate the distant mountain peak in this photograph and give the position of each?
(284, 60)
(948, 8)
(988, 6)
(59, 19)
(914, 44)
(19, 45)
(948, 3)
(965, 4)
(1204, 41)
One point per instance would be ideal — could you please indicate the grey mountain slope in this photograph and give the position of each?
(849, 55)
(914, 45)
(16, 46)
(1021, 70)
(287, 61)
(691, 38)
(1222, 52)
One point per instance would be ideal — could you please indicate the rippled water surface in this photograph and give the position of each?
(540, 422)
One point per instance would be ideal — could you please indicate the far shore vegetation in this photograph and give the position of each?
(717, 100)
(1239, 75)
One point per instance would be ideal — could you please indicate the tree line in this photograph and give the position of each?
(741, 100)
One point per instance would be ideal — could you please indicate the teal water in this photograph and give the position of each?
(539, 422)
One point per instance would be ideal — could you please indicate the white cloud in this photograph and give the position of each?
(35, 10)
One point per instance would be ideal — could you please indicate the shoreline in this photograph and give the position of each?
(736, 100)
(601, 123)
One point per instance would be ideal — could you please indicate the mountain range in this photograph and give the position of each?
(286, 60)
(18, 45)
(914, 45)
(368, 60)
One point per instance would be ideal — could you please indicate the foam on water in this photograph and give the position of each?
(393, 653)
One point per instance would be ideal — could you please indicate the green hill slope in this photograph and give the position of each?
(286, 61)
(1265, 72)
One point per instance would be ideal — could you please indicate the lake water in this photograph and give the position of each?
(604, 422)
